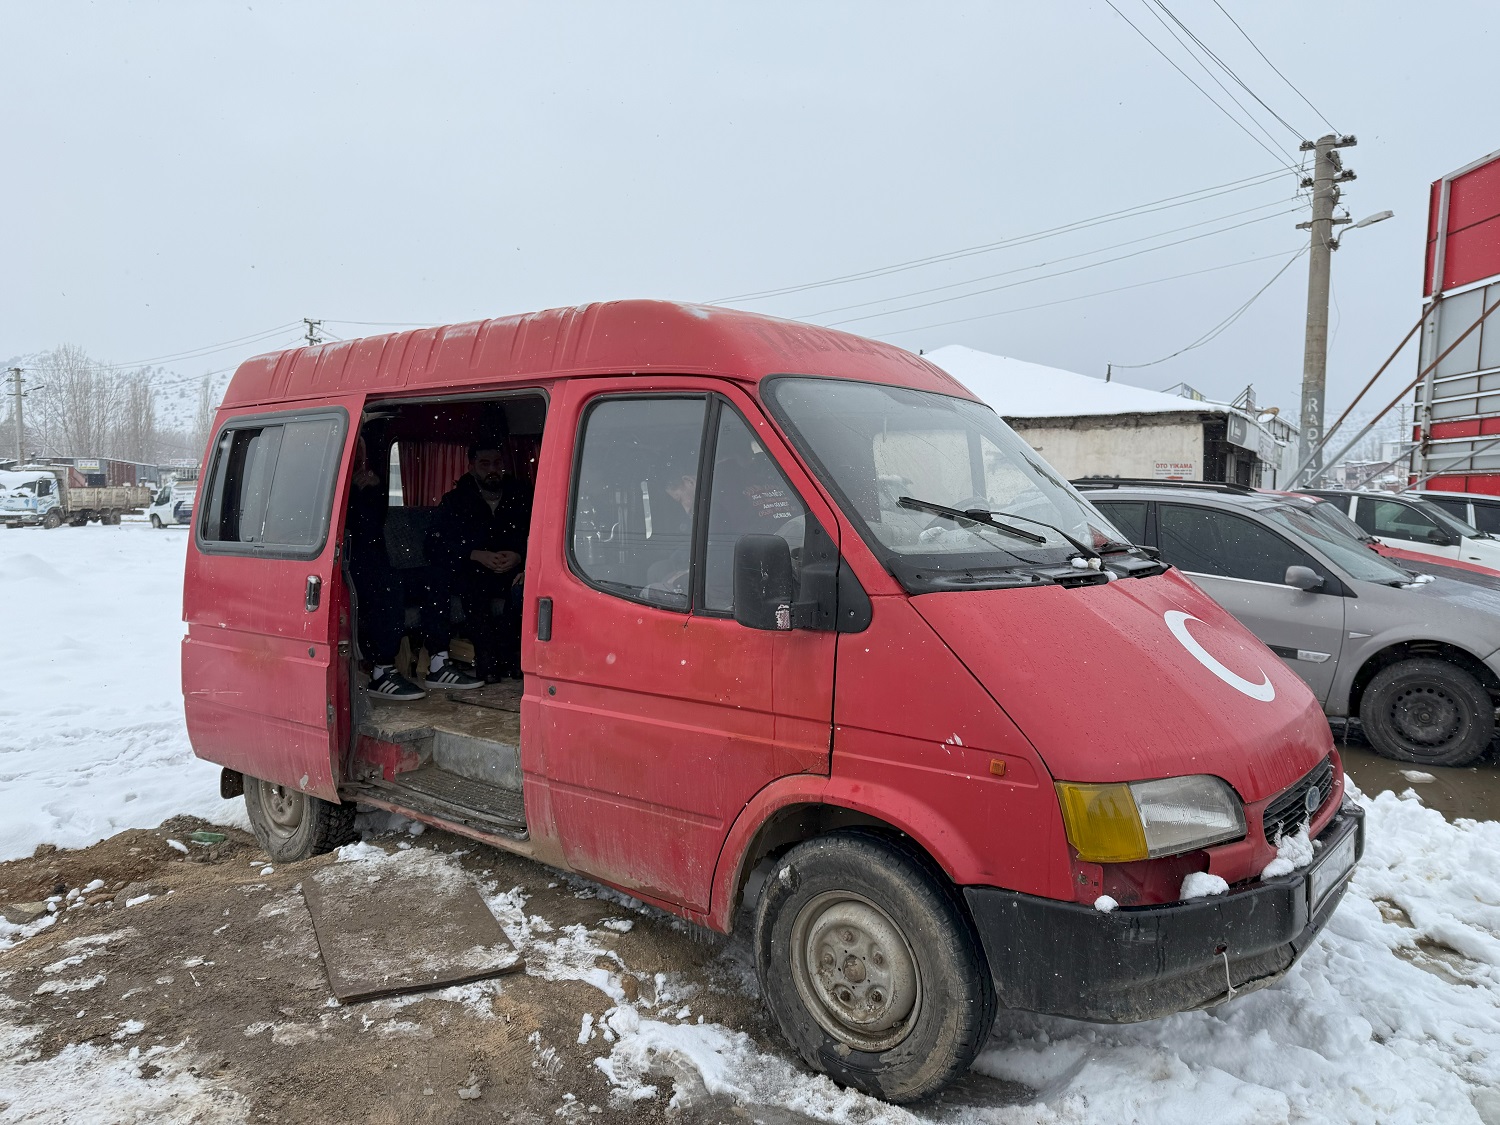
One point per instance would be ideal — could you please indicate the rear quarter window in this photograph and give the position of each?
(271, 483)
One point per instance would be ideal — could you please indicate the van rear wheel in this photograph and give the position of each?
(871, 966)
(290, 825)
(1428, 711)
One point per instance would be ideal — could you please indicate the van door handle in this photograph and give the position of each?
(544, 619)
(314, 592)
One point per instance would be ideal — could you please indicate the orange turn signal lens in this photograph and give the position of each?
(1103, 823)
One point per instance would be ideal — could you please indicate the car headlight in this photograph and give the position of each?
(1146, 819)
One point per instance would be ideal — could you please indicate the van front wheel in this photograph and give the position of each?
(290, 825)
(871, 966)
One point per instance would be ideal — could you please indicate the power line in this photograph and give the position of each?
(1228, 93)
(1136, 211)
(381, 323)
(1080, 297)
(207, 349)
(1040, 265)
(1217, 330)
(1227, 69)
(1240, 124)
(1062, 273)
(1272, 65)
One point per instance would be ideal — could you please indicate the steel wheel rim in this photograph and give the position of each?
(284, 808)
(855, 971)
(1427, 715)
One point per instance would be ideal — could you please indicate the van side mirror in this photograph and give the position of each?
(763, 582)
(1303, 578)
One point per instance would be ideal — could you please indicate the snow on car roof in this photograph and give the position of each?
(1018, 389)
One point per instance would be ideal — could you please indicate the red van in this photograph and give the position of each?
(806, 627)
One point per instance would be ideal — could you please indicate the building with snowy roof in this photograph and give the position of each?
(1088, 427)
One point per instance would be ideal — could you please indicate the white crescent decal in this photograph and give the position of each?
(1177, 622)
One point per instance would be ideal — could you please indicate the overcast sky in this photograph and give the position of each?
(182, 174)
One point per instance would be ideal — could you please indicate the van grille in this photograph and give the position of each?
(1289, 812)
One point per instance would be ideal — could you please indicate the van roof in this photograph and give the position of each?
(610, 338)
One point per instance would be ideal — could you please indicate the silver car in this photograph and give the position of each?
(1415, 658)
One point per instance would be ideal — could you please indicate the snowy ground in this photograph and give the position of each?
(1392, 1017)
(91, 732)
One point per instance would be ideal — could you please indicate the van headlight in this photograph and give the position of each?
(1146, 819)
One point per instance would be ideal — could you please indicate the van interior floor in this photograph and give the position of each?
(454, 755)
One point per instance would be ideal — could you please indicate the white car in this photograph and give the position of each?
(173, 504)
(1481, 510)
(1408, 521)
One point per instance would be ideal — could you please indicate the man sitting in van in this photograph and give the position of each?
(377, 585)
(477, 549)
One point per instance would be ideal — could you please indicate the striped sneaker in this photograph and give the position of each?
(393, 685)
(451, 678)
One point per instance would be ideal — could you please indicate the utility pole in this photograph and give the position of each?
(1328, 173)
(15, 378)
(312, 331)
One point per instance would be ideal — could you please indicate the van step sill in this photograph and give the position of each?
(489, 808)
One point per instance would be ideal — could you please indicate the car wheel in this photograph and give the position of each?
(52, 519)
(156, 521)
(872, 967)
(290, 825)
(1428, 711)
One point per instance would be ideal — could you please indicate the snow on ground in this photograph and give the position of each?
(1392, 1017)
(92, 739)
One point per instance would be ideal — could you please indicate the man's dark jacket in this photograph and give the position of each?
(464, 523)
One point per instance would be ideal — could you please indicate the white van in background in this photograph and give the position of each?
(172, 506)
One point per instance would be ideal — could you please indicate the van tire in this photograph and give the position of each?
(926, 1011)
(1427, 711)
(156, 521)
(290, 825)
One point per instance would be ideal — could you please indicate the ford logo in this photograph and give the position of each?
(1313, 799)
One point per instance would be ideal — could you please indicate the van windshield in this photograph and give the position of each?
(890, 454)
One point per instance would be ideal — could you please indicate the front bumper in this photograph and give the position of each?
(1142, 963)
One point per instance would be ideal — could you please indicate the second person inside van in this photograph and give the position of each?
(477, 551)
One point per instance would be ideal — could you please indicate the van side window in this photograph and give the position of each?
(1207, 541)
(631, 527)
(749, 497)
(272, 485)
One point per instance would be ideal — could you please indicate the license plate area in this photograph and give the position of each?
(1332, 867)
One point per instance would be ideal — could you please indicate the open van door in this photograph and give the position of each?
(261, 676)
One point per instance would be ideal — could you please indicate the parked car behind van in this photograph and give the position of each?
(1332, 513)
(1415, 524)
(1474, 508)
(796, 606)
(1417, 661)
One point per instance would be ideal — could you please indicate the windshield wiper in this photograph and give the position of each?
(972, 515)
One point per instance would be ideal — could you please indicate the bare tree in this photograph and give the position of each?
(203, 423)
(133, 436)
(85, 401)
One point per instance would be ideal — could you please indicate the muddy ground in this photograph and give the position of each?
(217, 984)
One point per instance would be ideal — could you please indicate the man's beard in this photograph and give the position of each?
(494, 482)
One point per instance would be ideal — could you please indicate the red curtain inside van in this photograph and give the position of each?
(429, 469)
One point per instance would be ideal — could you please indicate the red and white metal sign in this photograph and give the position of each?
(1458, 403)
(1463, 226)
